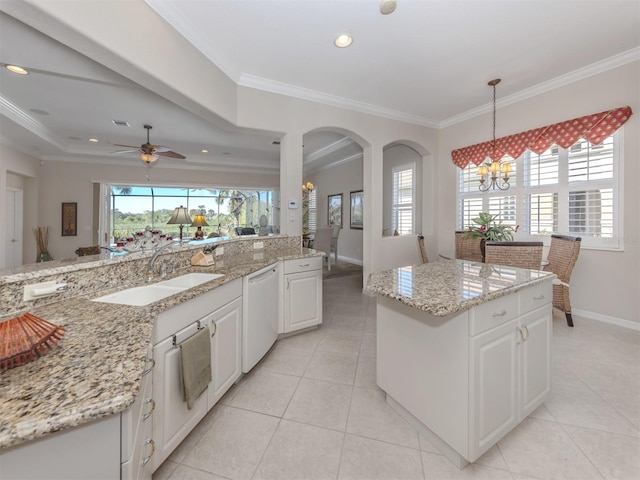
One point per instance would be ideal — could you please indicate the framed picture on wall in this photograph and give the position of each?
(357, 216)
(69, 219)
(334, 209)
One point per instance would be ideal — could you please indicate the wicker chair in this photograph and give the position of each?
(562, 257)
(423, 250)
(514, 254)
(468, 248)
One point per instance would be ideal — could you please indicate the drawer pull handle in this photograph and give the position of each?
(501, 313)
(539, 297)
(149, 441)
(148, 370)
(150, 412)
(520, 334)
(526, 330)
(214, 328)
(303, 265)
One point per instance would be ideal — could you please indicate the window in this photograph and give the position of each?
(133, 208)
(403, 199)
(310, 211)
(574, 191)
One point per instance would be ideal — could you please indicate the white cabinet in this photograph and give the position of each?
(469, 378)
(302, 294)
(225, 325)
(172, 420)
(90, 451)
(138, 445)
(511, 376)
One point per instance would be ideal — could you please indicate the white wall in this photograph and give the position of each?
(20, 170)
(344, 178)
(604, 284)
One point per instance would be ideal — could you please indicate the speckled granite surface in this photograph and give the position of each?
(95, 370)
(449, 286)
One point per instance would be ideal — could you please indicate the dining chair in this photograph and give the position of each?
(335, 232)
(322, 243)
(423, 250)
(514, 254)
(563, 254)
(468, 248)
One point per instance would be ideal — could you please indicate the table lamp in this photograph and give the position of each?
(199, 221)
(180, 217)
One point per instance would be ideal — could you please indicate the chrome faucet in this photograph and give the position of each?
(149, 271)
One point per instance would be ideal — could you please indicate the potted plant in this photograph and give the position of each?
(488, 229)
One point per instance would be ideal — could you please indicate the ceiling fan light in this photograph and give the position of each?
(343, 40)
(149, 158)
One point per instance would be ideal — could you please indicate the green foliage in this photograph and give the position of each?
(489, 229)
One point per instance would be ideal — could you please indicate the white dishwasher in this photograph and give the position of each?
(260, 314)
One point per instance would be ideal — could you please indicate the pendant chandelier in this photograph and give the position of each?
(495, 167)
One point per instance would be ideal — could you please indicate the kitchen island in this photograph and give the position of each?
(463, 350)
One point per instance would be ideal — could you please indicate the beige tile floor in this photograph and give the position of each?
(311, 410)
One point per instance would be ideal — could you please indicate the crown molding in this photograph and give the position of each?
(260, 83)
(561, 81)
(355, 156)
(328, 149)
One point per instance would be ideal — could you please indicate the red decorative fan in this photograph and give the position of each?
(25, 338)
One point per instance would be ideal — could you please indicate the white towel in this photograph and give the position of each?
(196, 365)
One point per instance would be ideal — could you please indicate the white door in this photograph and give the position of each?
(493, 387)
(225, 325)
(535, 359)
(13, 238)
(172, 421)
(302, 300)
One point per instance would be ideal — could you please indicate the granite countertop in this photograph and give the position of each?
(95, 370)
(449, 286)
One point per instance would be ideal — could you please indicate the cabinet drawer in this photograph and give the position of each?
(491, 314)
(302, 265)
(535, 297)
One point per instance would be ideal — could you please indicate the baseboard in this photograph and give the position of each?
(620, 322)
(355, 261)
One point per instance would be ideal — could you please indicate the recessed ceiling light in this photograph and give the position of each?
(17, 69)
(204, 151)
(120, 123)
(94, 140)
(343, 40)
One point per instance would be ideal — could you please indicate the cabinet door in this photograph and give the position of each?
(493, 407)
(172, 421)
(225, 325)
(535, 354)
(302, 300)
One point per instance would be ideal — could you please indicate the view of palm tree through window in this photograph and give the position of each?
(133, 208)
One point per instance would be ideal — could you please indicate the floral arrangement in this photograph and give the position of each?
(490, 230)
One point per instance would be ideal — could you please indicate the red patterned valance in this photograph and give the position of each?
(594, 128)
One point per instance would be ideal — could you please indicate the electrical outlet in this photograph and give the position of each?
(258, 256)
(219, 251)
(292, 216)
(258, 245)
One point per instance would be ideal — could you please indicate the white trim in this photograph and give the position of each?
(355, 261)
(599, 317)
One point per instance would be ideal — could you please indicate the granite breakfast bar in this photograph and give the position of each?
(463, 350)
(96, 371)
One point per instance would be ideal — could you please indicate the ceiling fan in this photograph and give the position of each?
(149, 153)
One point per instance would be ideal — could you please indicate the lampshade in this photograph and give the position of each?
(180, 216)
(199, 221)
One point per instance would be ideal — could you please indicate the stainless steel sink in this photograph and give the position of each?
(146, 294)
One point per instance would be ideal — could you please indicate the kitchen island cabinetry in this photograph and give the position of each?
(473, 348)
(302, 294)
